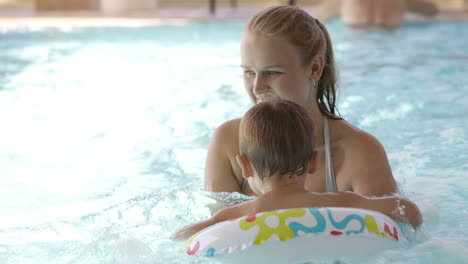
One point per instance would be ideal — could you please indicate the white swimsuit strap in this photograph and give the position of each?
(330, 183)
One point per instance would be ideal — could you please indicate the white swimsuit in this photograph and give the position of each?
(330, 182)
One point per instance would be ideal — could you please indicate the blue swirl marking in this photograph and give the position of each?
(342, 224)
(210, 252)
(320, 227)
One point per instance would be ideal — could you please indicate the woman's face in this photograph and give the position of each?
(273, 69)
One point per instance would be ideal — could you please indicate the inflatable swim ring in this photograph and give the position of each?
(298, 234)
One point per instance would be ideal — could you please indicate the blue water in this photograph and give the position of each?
(104, 133)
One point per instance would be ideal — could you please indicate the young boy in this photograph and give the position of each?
(276, 154)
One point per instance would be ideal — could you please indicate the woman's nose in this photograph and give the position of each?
(259, 85)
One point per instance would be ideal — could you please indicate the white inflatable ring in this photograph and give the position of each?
(297, 234)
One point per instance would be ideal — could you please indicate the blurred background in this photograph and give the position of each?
(132, 7)
(23, 13)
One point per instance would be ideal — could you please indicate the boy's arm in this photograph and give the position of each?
(369, 167)
(398, 208)
(190, 230)
(422, 6)
(327, 9)
(403, 210)
(223, 215)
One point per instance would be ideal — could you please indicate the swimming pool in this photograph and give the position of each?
(104, 133)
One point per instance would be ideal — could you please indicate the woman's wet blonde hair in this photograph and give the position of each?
(311, 37)
(277, 137)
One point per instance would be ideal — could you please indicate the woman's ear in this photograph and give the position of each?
(313, 163)
(316, 67)
(245, 166)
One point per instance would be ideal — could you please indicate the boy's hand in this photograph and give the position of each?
(183, 233)
(222, 215)
(190, 230)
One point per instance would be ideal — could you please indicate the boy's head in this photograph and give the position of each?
(277, 138)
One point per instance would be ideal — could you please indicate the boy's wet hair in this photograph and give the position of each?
(311, 38)
(277, 137)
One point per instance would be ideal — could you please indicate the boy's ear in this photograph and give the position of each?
(245, 166)
(313, 163)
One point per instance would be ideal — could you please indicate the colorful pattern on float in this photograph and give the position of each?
(284, 225)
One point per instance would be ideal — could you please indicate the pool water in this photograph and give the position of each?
(104, 133)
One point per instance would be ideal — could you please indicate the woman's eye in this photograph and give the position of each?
(272, 73)
(249, 74)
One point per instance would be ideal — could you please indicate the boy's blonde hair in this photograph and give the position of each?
(277, 137)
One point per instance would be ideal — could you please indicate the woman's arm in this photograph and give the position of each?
(219, 172)
(369, 169)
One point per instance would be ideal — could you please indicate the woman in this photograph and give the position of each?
(287, 54)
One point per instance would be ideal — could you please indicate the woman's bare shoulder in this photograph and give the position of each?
(365, 163)
(360, 140)
(221, 171)
(353, 137)
(228, 129)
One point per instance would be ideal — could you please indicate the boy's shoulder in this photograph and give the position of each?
(329, 199)
(236, 211)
